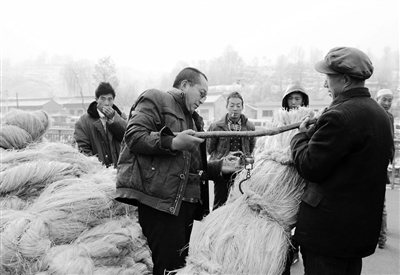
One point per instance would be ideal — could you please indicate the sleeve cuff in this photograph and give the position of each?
(166, 137)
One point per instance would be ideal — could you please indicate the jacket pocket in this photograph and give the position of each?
(312, 197)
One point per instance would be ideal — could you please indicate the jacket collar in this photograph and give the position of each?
(355, 92)
(180, 98)
(223, 122)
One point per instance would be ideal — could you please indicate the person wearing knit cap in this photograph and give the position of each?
(344, 158)
(385, 97)
(295, 96)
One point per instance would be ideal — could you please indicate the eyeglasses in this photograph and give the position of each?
(203, 93)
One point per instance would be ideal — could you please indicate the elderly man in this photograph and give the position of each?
(343, 157)
(385, 97)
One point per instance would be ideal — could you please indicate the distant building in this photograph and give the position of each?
(212, 109)
(31, 104)
(250, 111)
(76, 105)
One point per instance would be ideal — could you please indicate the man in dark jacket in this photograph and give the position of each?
(100, 131)
(163, 173)
(344, 158)
(219, 148)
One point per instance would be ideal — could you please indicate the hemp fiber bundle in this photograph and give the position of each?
(60, 217)
(20, 128)
(50, 151)
(250, 233)
(57, 213)
(28, 178)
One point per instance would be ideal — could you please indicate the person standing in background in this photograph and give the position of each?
(99, 132)
(295, 96)
(385, 97)
(219, 148)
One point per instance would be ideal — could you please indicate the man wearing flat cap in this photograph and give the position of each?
(344, 157)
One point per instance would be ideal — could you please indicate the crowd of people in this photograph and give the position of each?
(163, 168)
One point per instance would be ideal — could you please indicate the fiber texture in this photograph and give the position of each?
(57, 213)
(250, 233)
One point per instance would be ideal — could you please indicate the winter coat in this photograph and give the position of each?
(150, 172)
(344, 157)
(220, 147)
(92, 139)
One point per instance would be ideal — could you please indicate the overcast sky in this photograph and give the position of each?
(155, 35)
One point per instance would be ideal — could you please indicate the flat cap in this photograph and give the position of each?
(346, 60)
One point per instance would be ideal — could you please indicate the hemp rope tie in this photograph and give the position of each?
(255, 203)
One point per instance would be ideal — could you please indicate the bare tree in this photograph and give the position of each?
(105, 71)
(297, 63)
(226, 69)
(76, 75)
(386, 73)
(127, 95)
(281, 67)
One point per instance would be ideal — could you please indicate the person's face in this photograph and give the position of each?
(195, 94)
(234, 108)
(335, 84)
(385, 101)
(104, 100)
(295, 100)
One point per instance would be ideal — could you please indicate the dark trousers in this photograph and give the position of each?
(167, 235)
(221, 189)
(293, 249)
(317, 264)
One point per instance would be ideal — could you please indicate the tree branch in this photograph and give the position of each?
(259, 133)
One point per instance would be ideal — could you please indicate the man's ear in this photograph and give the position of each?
(347, 79)
(184, 84)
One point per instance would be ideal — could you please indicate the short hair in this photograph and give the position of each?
(190, 74)
(234, 95)
(104, 88)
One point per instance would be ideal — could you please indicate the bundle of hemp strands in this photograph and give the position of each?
(19, 128)
(57, 213)
(250, 233)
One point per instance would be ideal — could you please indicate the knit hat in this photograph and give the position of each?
(346, 60)
(384, 92)
(295, 87)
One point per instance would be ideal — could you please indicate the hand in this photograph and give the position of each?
(185, 140)
(231, 164)
(109, 112)
(304, 125)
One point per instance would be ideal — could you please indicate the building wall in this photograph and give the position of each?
(250, 112)
(52, 107)
(219, 108)
(76, 109)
